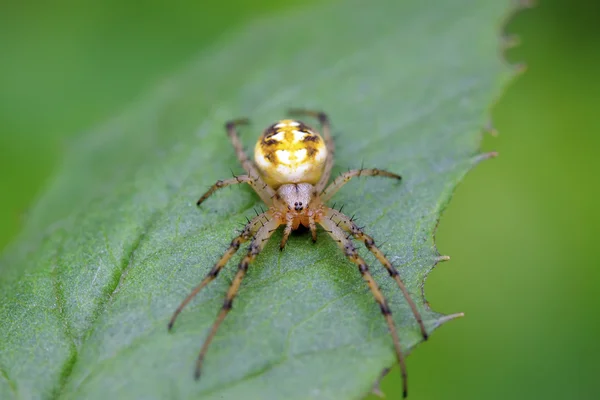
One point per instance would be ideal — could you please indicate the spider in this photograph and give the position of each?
(291, 168)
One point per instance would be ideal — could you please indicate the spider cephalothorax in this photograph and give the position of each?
(290, 174)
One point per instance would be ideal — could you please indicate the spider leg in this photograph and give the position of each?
(346, 176)
(313, 228)
(263, 190)
(344, 222)
(247, 164)
(260, 239)
(350, 251)
(231, 128)
(287, 231)
(249, 230)
(326, 131)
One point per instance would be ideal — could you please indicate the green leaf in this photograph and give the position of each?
(116, 241)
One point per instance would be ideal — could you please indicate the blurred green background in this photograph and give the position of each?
(520, 229)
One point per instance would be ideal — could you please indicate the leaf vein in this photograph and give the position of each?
(11, 384)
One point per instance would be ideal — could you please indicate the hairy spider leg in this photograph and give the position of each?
(248, 232)
(325, 129)
(346, 176)
(231, 128)
(287, 231)
(258, 242)
(350, 251)
(344, 222)
(247, 164)
(313, 228)
(264, 192)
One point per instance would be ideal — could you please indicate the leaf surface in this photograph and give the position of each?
(116, 241)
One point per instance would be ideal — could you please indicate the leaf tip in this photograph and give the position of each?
(523, 4)
(441, 259)
(489, 128)
(509, 41)
(449, 317)
(484, 156)
(376, 390)
(519, 69)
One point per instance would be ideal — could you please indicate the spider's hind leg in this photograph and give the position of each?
(231, 128)
(265, 192)
(345, 222)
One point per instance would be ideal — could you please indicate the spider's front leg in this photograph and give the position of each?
(313, 228)
(346, 223)
(289, 223)
(289, 227)
(263, 190)
(258, 243)
(247, 233)
(346, 176)
(348, 248)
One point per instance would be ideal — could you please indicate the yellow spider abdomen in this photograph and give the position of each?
(290, 152)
